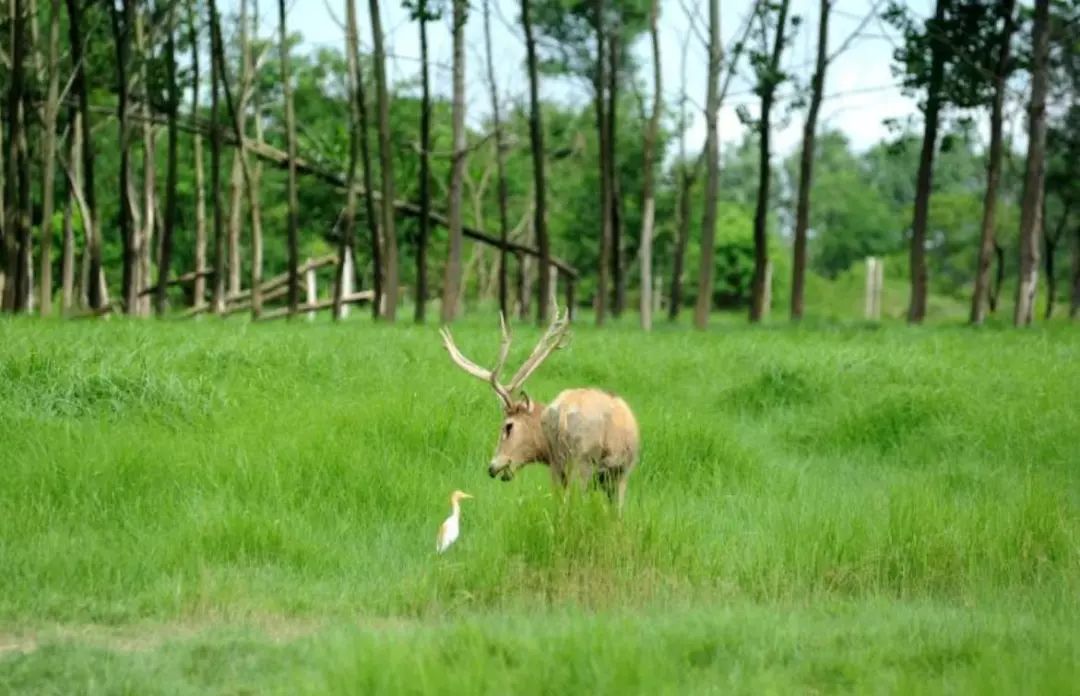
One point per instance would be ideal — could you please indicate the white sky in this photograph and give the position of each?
(860, 88)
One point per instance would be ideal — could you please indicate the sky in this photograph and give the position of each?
(861, 91)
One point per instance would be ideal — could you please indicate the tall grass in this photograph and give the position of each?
(225, 475)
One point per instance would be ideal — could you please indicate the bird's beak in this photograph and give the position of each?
(465, 495)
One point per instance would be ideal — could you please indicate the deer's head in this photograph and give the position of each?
(521, 437)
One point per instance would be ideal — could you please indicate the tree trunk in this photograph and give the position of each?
(1031, 221)
(386, 166)
(647, 194)
(1052, 241)
(993, 169)
(712, 172)
(199, 289)
(683, 211)
(606, 208)
(452, 280)
(255, 183)
(999, 276)
(67, 259)
(617, 281)
(369, 186)
(122, 29)
(144, 237)
(217, 74)
(919, 289)
(759, 291)
(236, 178)
(806, 165)
(16, 178)
(290, 130)
(1074, 304)
(165, 259)
(346, 244)
(504, 224)
(420, 310)
(48, 157)
(94, 280)
(536, 139)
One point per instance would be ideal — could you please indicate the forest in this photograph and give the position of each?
(179, 158)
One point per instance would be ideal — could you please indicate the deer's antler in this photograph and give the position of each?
(553, 338)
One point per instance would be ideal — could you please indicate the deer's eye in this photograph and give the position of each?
(507, 428)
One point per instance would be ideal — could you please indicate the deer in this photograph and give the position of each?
(586, 436)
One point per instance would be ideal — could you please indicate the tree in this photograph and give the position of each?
(290, 134)
(712, 172)
(500, 161)
(536, 139)
(171, 174)
(1031, 221)
(386, 167)
(217, 75)
(48, 157)
(452, 281)
(607, 197)
(123, 25)
(236, 178)
(347, 244)
(422, 12)
(769, 77)
(806, 163)
(980, 296)
(16, 179)
(648, 195)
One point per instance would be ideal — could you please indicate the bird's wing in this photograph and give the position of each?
(441, 541)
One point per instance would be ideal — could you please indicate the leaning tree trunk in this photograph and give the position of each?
(346, 245)
(500, 163)
(290, 134)
(199, 287)
(919, 289)
(424, 224)
(386, 167)
(536, 139)
(1031, 221)
(217, 71)
(452, 280)
(759, 292)
(712, 172)
(165, 259)
(606, 208)
(48, 159)
(648, 196)
(123, 23)
(806, 165)
(95, 281)
(980, 297)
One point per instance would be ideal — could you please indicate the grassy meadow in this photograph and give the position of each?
(220, 507)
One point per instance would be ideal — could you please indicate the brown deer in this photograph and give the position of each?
(584, 435)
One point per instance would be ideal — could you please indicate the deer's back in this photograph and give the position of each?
(591, 425)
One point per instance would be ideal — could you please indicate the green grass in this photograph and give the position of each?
(194, 507)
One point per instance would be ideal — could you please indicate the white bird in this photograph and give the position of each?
(448, 530)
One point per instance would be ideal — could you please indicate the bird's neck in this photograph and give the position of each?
(455, 509)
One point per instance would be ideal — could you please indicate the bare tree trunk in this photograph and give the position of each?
(349, 221)
(606, 196)
(144, 237)
(199, 289)
(236, 178)
(95, 274)
(712, 172)
(255, 184)
(759, 291)
(1051, 241)
(1031, 221)
(647, 194)
(1074, 303)
(452, 280)
(48, 157)
(617, 279)
(217, 75)
(420, 309)
(290, 129)
(806, 164)
(536, 138)
(993, 169)
(919, 289)
(504, 224)
(369, 186)
(165, 259)
(386, 162)
(122, 30)
(16, 178)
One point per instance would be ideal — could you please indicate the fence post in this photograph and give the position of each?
(874, 283)
(766, 300)
(346, 281)
(312, 291)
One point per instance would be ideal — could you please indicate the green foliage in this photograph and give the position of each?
(223, 507)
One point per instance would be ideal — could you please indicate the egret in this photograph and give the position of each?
(448, 530)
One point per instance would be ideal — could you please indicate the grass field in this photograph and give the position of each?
(228, 508)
